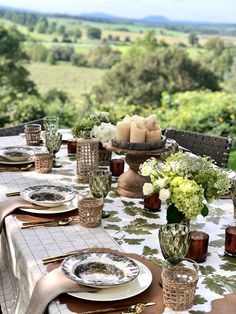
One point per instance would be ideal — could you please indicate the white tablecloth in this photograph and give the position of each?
(129, 228)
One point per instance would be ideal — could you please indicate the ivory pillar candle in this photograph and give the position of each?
(137, 134)
(123, 131)
(153, 136)
(151, 122)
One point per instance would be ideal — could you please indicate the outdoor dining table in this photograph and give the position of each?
(129, 228)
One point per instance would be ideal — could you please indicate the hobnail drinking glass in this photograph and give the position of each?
(53, 144)
(174, 241)
(51, 124)
(100, 185)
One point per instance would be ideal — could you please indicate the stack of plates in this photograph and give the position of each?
(55, 199)
(16, 155)
(118, 277)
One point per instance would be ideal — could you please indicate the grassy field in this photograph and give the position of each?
(73, 80)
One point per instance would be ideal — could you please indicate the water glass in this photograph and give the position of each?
(174, 241)
(179, 283)
(53, 144)
(33, 134)
(230, 241)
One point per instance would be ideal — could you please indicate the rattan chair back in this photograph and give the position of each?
(16, 130)
(216, 147)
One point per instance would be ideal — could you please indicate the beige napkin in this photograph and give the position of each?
(10, 204)
(48, 288)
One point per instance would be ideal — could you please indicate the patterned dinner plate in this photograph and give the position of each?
(47, 195)
(12, 155)
(100, 270)
(130, 289)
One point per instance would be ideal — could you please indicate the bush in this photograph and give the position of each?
(204, 112)
(94, 33)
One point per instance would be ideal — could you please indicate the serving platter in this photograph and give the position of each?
(47, 195)
(100, 270)
(128, 290)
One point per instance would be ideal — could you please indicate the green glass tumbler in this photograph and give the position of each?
(174, 241)
(100, 185)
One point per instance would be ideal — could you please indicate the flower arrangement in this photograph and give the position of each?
(185, 182)
(104, 132)
(99, 124)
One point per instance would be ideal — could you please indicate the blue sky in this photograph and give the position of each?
(195, 10)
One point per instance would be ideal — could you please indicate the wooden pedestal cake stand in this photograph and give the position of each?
(130, 183)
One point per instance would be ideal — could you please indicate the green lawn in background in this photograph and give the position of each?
(232, 160)
(73, 80)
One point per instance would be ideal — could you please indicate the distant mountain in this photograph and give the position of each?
(155, 19)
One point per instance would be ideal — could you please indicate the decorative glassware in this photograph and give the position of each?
(198, 246)
(86, 156)
(174, 241)
(100, 185)
(179, 283)
(53, 144)
(51, 124)
(32, 134)
(152, 202)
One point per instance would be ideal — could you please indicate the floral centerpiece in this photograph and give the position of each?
(90, 123)
(186, 183)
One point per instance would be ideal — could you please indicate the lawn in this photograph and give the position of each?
(232, 160)
(73, 80)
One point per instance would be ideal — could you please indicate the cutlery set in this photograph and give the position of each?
(40, 223)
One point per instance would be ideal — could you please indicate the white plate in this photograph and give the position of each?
(100, 269)
(52, 210)
(15, 155)
(47, 195)
(23, 162)
(135, 287)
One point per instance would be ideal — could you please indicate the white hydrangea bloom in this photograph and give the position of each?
(148, 189)
(164, 194)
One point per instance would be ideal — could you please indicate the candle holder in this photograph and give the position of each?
(152, 202)
(198, 246)
(230, 241)
(117, 166)
(71, 147)
(233, 194)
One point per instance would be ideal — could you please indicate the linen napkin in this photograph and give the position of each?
(12, 203)
(55, 283)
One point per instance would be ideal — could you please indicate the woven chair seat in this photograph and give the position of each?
(16, 130)
(216, 147)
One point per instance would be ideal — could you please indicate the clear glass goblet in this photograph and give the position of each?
(174, 241)
(53, 143)
(51, 124)
(100, 185)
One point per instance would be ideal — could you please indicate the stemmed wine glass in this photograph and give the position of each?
(51, 124)
(174, 241)
(53, 143)
(100, 185)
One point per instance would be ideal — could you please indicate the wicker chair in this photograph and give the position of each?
(216, 147)
(16, 130)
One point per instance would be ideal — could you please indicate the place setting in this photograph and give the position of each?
(16, 158)
(106, 276)
(43, 205)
